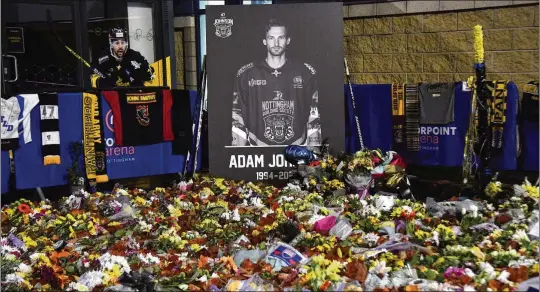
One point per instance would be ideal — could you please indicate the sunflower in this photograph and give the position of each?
(24, 208)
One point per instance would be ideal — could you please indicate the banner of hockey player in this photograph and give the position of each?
(275, 78)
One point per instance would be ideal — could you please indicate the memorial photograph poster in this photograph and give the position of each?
(275, 78)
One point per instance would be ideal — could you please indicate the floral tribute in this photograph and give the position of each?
(350, 225)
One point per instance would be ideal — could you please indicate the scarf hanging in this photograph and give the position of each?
(398, 112)
(412, 117)
(497, 103)
(94, 146)
(50, 128)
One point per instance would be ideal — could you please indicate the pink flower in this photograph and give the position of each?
(453, 272)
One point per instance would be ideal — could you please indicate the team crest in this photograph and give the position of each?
(297, 82)
(278, 128)
(143, 115)
(223, 26)
(100, 161)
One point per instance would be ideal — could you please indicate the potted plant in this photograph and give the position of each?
(75, 171)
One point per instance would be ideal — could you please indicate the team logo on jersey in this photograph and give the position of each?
(297, 82)
(6, 125)
(143, 115)
(278, 116)
(223, 26)
(278, 128)
(254, 82)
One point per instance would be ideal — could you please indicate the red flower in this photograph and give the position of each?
(24, 208)
(315, 163)
(398, 161)
(376, 160)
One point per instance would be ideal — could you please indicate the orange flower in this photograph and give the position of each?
(24, 208)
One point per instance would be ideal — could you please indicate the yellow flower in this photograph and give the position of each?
(195, 247)
(9, 212)
(532, 191)
(70, 217)
(323, 165)
(535, 268)
(140, 201)
(72, 233)
(255, 232)
(114, 273)
(29, 242)
(115, 223)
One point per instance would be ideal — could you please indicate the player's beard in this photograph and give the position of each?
(276, 51)
(120, 52)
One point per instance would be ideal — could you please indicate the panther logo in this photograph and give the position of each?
(278, 128)
(143, 115)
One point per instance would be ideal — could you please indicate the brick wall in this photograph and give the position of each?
(185, 52)
(434, 47)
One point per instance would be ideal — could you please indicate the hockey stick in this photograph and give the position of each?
(201, 114)
(49, 22)
(196, 117)
(354, 106)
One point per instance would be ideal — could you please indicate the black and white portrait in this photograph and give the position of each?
(275, 98)
(275, 78)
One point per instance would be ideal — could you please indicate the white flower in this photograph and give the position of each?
(24, 268)
(149, 259)
(469, 273)
(520, 236)
(108, 261)
(488, 269)
(503, 277)
(468, 288)
(371, 239)
(10, 257)
(256, 202)
(226, 215)
(407, 209)
(463, 211)
(381, 268)
(73, 286)
(14, 278)
(435, 237)
(236, 215)
(474, 210)
(203, 279)
(145, 227)
(92, 279)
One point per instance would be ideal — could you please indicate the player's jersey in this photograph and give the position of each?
(141, 118)
(275, 106)
(132, 70)
(15, 113)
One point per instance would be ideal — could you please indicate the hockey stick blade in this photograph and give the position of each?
(53, 31)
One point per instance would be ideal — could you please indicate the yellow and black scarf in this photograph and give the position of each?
(94, 142)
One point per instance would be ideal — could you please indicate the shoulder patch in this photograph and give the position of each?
(310, 68)
(103, 59)
(244, 68)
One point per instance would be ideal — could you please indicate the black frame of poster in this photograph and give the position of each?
(303, 107)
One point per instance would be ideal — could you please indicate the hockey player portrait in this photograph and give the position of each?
(275, 79)
(121, 65)
(275, 99)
